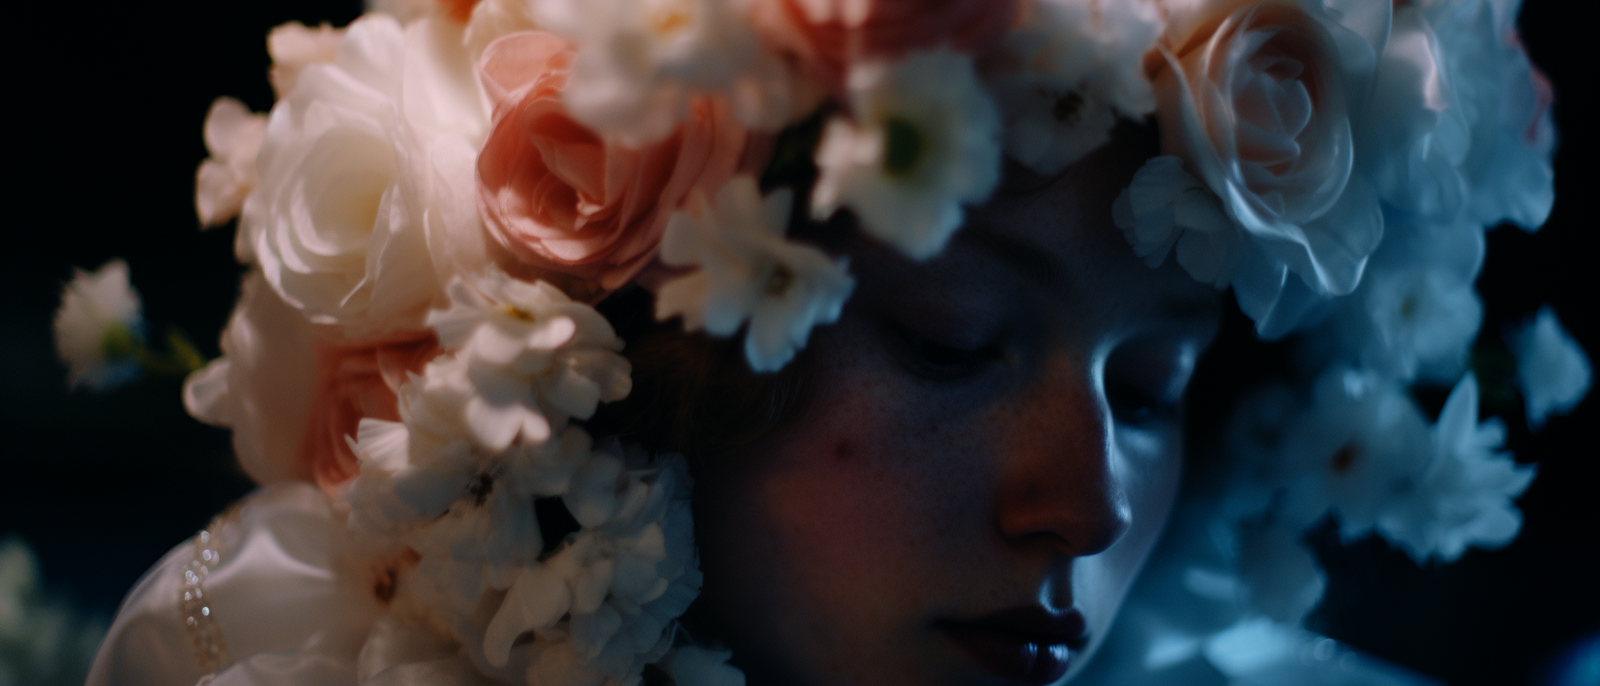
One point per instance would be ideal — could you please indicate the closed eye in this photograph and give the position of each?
(932, 359)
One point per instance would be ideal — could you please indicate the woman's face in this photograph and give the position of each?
(991, 443)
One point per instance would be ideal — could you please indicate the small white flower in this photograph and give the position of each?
(233, 138)
(749, 271)
(1062, 79)
(1165, 210)
(615, 587)
(1464, 496)
(640, 64)
(1552, 370)
(528, 349)
(922, 139)
(1164, 207)
(97, 327)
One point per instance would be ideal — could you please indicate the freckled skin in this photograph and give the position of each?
(897, 500)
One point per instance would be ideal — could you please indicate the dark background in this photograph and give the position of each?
(106, 106)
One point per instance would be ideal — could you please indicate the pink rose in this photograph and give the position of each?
(828, 35)
(355, 380)
(566, 202)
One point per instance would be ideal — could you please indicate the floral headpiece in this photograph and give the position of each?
(444, 190)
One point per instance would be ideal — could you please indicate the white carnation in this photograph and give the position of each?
(1552, 369)
(749, 271)
(97, 327)
(233, 138)
(922, 139)
(1063, 78)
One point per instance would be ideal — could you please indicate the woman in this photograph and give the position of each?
(974, 434)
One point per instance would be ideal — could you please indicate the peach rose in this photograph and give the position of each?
(567, 202)
(355, 380)
(827, 35)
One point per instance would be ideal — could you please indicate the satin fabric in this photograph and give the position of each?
(288, 613)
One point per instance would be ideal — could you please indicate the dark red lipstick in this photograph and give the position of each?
(1030, 645)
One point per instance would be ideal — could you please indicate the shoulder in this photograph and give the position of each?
(263, 591)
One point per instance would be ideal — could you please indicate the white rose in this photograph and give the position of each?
(1255, 104)
(350, 178)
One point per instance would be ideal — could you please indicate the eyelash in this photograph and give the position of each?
(933, 360)
(1137, 407)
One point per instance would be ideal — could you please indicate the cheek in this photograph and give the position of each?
(824, 548)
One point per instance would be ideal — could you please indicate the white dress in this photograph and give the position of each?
(264, 597)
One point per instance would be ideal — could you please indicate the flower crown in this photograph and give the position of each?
(444, 190)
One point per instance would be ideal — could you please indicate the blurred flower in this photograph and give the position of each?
(233, 138)
(1360, 444)
(640, 66)
(749, 271)
(828, 38)
(922, 139)
(98, 327)
(1552, 369)
(1505, 102)
(41, 642)
(1062, 77)
(1415, 314)
(295, 46)
(264, 385)
(1464, 495)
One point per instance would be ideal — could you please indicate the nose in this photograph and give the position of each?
(1059, 485)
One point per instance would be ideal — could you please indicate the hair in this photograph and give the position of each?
(692, 393)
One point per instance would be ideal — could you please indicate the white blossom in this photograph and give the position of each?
(1415, 314)
(1505, 102)
(921, 140)
(1552, 369)
(611, 593)
(749, 272)
(640, 64)
(98, 327)
(1063, 78)
(233, 138)
(1359, 444)
(1464, 495)
(531, 356)
(1167, 211)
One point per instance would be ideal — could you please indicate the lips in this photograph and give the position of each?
(1030, 645)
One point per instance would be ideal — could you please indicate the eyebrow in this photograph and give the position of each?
(1030, 260)
(1035, 263)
